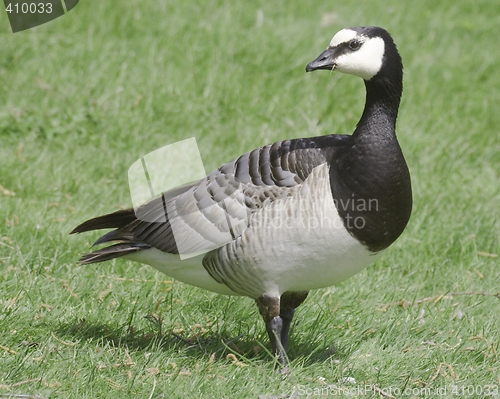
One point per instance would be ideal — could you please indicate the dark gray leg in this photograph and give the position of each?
(273, 328)
(278, 314)
(289, 301)
(286, 316)
(269, 308)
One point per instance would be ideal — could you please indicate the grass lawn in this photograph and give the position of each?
(86, 95)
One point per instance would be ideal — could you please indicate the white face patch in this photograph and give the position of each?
(343, 36)
(365, 62)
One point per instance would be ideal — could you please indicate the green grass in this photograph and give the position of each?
(86, 95)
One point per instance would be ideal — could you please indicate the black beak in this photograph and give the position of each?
(324, 61)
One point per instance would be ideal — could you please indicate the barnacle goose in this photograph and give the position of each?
(318, 210)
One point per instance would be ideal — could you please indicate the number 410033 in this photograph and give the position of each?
(29, 8)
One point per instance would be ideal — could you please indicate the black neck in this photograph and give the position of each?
(381, 107)
(370, 181)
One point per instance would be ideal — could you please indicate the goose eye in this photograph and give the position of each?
(354, 45)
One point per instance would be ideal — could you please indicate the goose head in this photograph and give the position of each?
(362, 51)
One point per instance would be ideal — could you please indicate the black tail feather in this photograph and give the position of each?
(112, 252)
(115, 220)
(116, 235)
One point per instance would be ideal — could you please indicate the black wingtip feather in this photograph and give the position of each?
(115, 235)
(113, 220)
(112, 252)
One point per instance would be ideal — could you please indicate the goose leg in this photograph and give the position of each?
(289, 301)
(278, 314)
(269, 308)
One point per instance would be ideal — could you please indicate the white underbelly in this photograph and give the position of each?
(189, 271)
(318, 259)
